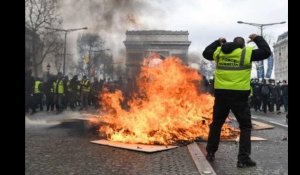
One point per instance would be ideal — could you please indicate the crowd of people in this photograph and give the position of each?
(266, 95)
(58, 93)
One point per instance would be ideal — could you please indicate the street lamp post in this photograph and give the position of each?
(48, 68)
(48, 71)
(261, 26)
(65, 45)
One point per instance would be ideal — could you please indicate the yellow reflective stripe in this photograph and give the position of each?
(234, 68)
(243, 57)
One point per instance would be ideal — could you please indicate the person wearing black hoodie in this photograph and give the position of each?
(232, 89)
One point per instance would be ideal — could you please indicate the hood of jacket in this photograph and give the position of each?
(229, 47)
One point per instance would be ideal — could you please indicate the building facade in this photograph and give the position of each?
(166, 43)
(281, 57)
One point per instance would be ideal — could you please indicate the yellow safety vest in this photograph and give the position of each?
(58, 88)
(233, 70)
(85, 86)
(36, 87)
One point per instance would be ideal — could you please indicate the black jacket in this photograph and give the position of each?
(263, 52)
(256, 87)
(284, 90)
(275, 91)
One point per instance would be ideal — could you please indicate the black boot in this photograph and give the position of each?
(246, 163)
(210, 157)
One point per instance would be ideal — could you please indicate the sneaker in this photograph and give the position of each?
(210, 157)
(246, 163)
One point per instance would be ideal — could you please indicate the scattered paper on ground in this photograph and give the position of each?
(259, 125)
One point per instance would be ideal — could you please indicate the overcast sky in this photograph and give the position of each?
(205, 20)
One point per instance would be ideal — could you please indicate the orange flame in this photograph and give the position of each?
(167, 107)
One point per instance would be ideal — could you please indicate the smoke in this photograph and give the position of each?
(197, 61)
(110, 19)
(194, 57)
(43, 119)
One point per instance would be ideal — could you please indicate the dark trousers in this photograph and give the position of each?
(96, 101)
(256, 103)
(242, 113)
(285, 103)
(72, 100)
(84, 99)
(264, 102)
(278, 104)
(58, 98)
(65, 100)
(271, 103)
(50, 101)
(38, 101)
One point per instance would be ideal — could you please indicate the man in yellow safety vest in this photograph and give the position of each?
(58, 89)
(85, 90)
(232, 89)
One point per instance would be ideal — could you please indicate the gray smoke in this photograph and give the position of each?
(43, 119)
(110, 19)
(197, 61)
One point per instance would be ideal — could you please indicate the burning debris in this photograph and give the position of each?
(167, 108)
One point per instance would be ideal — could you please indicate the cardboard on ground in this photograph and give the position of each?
(135, 147)
(253, 138)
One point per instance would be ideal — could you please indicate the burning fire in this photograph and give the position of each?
(168, 107)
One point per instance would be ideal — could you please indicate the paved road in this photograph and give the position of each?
(270, 117)
(65, 149)
(271, 155)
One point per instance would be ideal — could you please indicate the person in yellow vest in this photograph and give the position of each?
(38, 95)
(85, 90)
(232, 88)
(58, 89)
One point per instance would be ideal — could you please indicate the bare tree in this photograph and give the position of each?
(38, 15)
(97, 61)
(108, 66)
